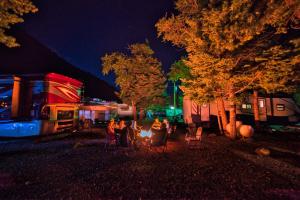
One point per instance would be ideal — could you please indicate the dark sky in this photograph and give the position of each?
(81, 31)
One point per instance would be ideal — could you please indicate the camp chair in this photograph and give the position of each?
(192, 129)
(159, 139)
(194, 140)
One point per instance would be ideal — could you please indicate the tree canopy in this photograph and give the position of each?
(234, 45)
(139, 75)
(178, 71)
(11, 12)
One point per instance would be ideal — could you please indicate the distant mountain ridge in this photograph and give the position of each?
(34, 58)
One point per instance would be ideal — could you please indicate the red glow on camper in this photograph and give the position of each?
(62, 89)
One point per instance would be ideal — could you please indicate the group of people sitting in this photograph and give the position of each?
(160, 131)
(124, 134)
(118, 132)
(157, 125)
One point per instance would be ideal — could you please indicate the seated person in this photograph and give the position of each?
(111, 130)
(156, 124)
(121, 125)
(169, 128)
(159, 136)
(121, 131)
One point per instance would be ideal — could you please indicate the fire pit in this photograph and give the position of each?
(146, 133)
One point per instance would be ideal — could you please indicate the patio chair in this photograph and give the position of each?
(194, 140)
(192, 129)
(159, 139)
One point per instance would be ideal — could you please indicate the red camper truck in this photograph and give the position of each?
(38, 104)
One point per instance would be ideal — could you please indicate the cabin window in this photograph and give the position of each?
(280, 107)
(65, 114)
(261, 103)
(246, 106)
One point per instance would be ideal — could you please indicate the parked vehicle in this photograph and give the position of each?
(280, 109)
(41, 104)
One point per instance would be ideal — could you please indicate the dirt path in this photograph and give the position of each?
(80, 168)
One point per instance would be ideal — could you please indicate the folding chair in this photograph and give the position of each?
(194, 140)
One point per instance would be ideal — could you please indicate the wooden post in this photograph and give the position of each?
(15, 106)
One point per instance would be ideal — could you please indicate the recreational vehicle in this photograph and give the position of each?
(33, 105)
(270, 109)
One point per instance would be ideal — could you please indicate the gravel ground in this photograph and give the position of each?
(79, 167)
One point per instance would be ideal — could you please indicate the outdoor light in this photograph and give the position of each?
(172, 107)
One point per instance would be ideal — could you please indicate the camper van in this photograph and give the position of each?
(271, 109)
(32, 105)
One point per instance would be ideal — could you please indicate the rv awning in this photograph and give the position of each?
(97, 107)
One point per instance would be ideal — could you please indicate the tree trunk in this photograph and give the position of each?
(142, 114)
(255, 108)
(232, 112)
(134, 110)
(221, 106)
(220, 124)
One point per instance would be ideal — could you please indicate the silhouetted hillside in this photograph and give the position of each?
(33, 57)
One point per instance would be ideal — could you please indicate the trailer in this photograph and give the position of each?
(270, 109)
(38, 104)
(102, 112)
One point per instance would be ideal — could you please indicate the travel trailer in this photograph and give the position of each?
(33, 105)
(102, 112)
(97, 114)
(270, 109)
(124, 110)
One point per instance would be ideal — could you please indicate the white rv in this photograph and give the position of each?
(269, 108)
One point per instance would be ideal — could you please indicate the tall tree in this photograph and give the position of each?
(223, 40)
(139, 76)
(178, 71)
(11, 12)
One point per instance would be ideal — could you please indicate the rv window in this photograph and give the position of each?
(5, 108)
(65, 114)
(246, 106)
(45, 113)
(261, 103)
(124, 108)
(280, 107)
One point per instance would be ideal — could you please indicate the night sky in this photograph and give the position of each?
(81, 31)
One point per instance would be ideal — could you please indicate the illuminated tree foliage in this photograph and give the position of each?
(139, 76)
(178, 71)
(234, 46)
(11, 12)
